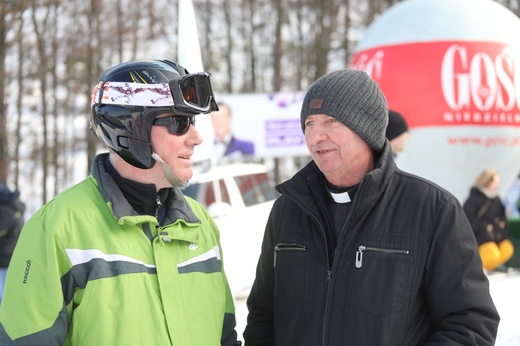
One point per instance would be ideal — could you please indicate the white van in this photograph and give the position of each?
(239, 197)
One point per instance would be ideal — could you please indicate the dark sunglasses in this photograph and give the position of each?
(176, 125)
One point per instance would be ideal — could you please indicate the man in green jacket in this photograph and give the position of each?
(123, 257)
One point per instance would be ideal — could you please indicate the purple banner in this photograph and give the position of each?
(283, 133)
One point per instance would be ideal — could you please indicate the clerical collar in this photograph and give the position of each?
(341, 194)
(342, 197)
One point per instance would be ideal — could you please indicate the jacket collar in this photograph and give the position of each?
(177, 208)
(372, 185)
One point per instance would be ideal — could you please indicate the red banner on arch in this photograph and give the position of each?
(447, 83)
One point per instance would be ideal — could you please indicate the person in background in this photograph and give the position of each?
(487, 217)
(512, 199)
(123, 257)
(226, 144)
(11, 223)
(397, 132)
(359, 252)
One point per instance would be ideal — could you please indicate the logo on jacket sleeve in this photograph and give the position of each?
(27, 269)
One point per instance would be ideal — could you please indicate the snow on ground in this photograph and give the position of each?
(241, 316)
(505, 290)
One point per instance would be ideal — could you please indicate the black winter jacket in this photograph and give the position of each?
(11, 223)
(406, 270)
(492, 212)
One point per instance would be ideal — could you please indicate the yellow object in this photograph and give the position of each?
(494, 254)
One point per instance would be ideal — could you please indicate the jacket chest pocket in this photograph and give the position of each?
(289, 268)
(381, 277)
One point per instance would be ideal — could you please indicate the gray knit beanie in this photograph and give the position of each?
(353, 98)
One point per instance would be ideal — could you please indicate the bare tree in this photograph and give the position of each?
(20, 76)
(513, 5)
(249, 29)
(278, 41)
(40, 27)
(296, 51)
(247, 45)
(346, 41)
(93, 69)
(56, 147)
(226, 6)
(8, 10)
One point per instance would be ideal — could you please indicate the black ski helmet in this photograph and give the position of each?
(130, 95)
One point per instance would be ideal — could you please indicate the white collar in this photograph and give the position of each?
(342, 197)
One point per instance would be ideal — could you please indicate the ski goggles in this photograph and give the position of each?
(177, 124)
(193, 93)
(190, 94)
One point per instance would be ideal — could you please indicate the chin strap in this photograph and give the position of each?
(169, 173)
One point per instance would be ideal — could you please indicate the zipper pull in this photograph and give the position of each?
(287, 247)
(159, 206)
(165, 237)
(359, 256)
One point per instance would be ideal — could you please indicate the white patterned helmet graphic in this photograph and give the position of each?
(129, 96)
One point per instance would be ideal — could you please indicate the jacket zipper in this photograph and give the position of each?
(163, 237)
(159, 206)
(287, 247)
(361, 248)
(329, 273)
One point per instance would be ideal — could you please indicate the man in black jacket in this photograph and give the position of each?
(358, 252)
(11, 223)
